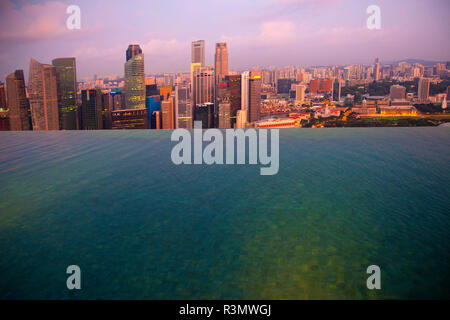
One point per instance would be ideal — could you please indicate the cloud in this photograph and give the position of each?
(276, 33)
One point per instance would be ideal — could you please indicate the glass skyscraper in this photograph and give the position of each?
(67, 92)
(135, 80)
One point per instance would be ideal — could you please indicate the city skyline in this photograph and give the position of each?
(265, 34)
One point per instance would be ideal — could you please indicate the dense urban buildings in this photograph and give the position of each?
(219, 97)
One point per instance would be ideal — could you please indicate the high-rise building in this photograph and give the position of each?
(245, 76)
(43, 93)
(167, 114)
(283, 85)
(241, 119)
(135, 80)
(300, 93)
(198, 52)
(2, 96)
(376, 70)
(203, 86)
(397, 92)
(183, 107)
(224, 121)
(67, 92)
(17, 101)
(133, 50)
(221, 62)
(314, 86)
(423, 92)
(235, 87)
(254, 94)
(91, 109)
(205, 114)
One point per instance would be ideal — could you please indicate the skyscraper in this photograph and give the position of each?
(203, 86)
(183, 107)
(2, 96)
(254, 93)
(300, 93)
(245, 76)
(424, 89)
(67, 91)
(205, 114)
(235, 87)
(17, 101)
(376, 70)
(133, 50)
(198, 52)
(43, 94)
(91, 109)
(167, 114)
(134, 79)
(221, 62)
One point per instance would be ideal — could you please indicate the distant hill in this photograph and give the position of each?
(412, 61)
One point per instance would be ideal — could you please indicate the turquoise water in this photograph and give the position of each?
(140, 227)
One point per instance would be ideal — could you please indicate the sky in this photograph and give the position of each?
(259, 33)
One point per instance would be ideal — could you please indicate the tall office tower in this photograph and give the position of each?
(424, 89)
(234, 87)
(183, 107)
(203, 86)
(166, 92)
(314, 86)
(221, 62)
(283, 85)
(198, 52)
(376, 70)
(43, 93)
(205, 114)
(300, 93)
(135, 80)
(337, 90)
(106, 110)
(2, 96)
(156, 120)
(67, 92)
(397, 92)
(91, 109)
(167, 114)
(241, 119)
(254, 94)
(17, 101)
(326, 86)
(224, 121)
(245, 76)
(133, 50)
(151, 90)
